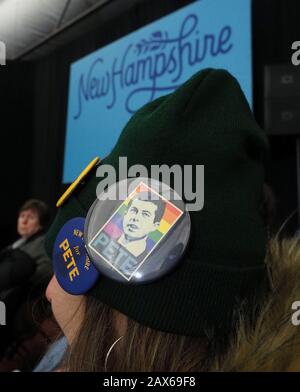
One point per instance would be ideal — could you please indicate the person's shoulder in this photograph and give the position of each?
(5, 251)
(36, 239)
(35, 246)
(40, 239)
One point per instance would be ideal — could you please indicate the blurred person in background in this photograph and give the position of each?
(25, 270)
(26, 258)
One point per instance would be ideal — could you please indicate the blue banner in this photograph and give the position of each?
(109, 85)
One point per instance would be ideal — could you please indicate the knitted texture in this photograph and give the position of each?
(207, 121)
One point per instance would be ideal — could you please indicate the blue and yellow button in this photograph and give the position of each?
(72, 266)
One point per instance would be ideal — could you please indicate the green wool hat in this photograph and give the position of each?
(207, 121)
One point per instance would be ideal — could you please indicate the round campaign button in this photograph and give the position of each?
(71, 263)
(137, 231)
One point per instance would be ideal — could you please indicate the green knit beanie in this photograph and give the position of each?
(207, 121)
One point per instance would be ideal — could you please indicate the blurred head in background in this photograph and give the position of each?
(33, 216)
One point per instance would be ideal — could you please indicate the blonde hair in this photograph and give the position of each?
(141, 349)
(250, 345)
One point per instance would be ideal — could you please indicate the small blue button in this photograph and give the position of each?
(72, 266)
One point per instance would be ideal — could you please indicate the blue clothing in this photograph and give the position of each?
(53, 357)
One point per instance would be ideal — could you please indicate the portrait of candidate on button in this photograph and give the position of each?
(134, 230)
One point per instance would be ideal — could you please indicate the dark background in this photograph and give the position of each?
(34, 90)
